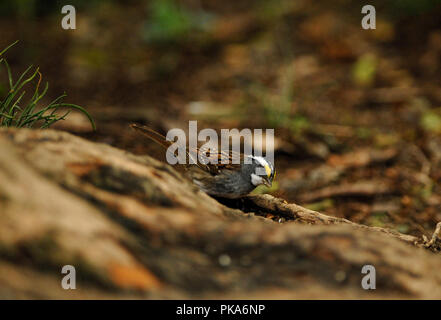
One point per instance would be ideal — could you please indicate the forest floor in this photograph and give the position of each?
(357, 113)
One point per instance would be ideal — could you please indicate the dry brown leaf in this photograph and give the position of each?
(135, 277)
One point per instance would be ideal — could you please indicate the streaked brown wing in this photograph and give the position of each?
(215, 160)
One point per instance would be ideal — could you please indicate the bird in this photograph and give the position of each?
(221, 178)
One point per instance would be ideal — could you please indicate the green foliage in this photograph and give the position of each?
(364, 69)
(16, 113)
(363, 133)
(273, 10)
(278, 109)
(264, 189)
(299, 124)
(320, 205)
(411, 7)
(379, 219)
(37, 8)
(431, 121)
(171, 23)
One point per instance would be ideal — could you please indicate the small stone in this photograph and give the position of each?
(340, 276)
(224, 260)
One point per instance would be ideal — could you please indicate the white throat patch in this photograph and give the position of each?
(256, 180)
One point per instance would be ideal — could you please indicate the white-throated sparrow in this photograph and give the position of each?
(222, 178)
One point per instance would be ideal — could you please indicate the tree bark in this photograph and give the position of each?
(135, 228)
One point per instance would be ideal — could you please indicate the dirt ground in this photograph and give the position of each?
(357, 113)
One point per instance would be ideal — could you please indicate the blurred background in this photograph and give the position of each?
(356, 113)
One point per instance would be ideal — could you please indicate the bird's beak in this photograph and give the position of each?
(267, 183)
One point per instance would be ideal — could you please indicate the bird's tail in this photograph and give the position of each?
(152, 134)
(161, 140)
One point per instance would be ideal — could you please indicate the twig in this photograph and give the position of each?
(362, 188)
(435, 236)
(279, 206)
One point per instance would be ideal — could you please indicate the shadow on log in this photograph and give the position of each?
(135, 228)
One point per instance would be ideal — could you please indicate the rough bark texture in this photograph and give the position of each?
(134, 228)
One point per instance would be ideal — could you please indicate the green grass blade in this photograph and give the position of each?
(9, 73)
(79, 108)
(8, 47)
